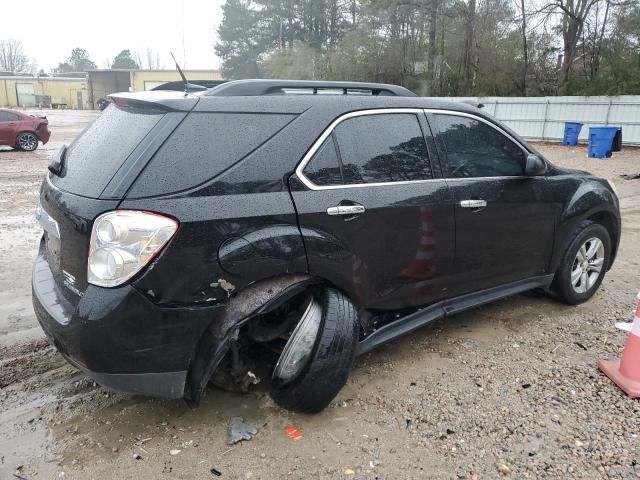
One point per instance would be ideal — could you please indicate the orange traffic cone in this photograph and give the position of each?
(626, 372)
(421, 266)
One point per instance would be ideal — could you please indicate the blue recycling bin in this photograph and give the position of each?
(601, 141)
(571, 133)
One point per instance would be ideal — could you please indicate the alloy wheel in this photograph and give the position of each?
(27, 141)
(587, 265)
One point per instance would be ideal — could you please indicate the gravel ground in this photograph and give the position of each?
(509, 390)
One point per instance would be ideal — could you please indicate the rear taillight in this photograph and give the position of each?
(123, 242)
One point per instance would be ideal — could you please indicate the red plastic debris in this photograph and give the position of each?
(293, 433)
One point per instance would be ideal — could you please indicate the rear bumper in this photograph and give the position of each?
(118, 336)
(44, 134)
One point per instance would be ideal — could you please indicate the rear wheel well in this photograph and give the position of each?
(609, 222)
(28, 131)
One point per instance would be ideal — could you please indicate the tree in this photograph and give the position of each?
(124, 60)
(242, 40)
(439, 47)
(78, 61)
(573, 14)
(12, 57)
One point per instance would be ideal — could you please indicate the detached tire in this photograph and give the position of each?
(327, 368)
(576, 280)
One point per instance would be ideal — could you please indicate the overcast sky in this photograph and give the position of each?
(50, 29)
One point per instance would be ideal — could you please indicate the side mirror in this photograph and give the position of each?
(535, 166)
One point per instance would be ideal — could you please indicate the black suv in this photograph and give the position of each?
(278, 229)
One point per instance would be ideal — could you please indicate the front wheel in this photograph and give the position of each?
(315, 363)
(584, 264)
(27, 141)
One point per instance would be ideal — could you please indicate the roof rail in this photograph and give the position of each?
(473, 103)
(239, 88)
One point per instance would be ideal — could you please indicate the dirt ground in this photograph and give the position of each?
(509, 390)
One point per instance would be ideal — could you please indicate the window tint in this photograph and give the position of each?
(97, 154)
(382, 148)
(324, 167)
(8, 117)
(202, 146)
(475, 149)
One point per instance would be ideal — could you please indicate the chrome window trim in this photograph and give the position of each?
(329, 130)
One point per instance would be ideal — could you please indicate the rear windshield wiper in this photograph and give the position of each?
(57, 162)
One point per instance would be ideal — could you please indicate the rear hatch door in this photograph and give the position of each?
(94, 175)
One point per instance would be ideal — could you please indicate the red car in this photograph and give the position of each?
(23, 131)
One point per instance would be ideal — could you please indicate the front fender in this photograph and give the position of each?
(592, 199)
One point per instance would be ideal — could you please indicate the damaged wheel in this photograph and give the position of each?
(315, 363)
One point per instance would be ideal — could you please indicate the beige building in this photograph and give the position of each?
(103, 82)
(83, 93)
(148, 79)
(44, 91)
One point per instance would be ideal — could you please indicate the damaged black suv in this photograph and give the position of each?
(276, 230)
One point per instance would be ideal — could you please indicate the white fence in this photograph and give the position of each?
(543, 118)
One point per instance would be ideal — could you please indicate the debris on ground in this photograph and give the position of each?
(624, 326)
(348, 471)
(293, 433)
(174, 451)
(631, 176)
(238, 430)
(503, 468)
(215, 472)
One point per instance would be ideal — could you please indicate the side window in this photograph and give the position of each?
(324, 167)
(4, 116)
(12, 117)
(475, 149)
(382, 148)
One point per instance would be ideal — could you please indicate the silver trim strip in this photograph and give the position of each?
(318, 143)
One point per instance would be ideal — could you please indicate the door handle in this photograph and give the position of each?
(346, 210)
(473, 203)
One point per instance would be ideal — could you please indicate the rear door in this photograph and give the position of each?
(374, 213)
(8, 127)
(504, 219)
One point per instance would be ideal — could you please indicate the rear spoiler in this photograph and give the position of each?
(169, 101)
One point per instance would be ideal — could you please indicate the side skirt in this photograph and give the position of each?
(448, 307)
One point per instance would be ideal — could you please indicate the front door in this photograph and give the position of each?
(504, 220)
(374, 215)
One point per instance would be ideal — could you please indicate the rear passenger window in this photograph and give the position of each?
(375, 148)
(475, 149)
(202, 147)
(8, 117)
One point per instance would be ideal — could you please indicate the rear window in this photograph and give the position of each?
(97, 154)
(203, 146)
